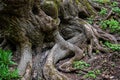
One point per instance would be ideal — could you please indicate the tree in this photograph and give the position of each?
(52, 29)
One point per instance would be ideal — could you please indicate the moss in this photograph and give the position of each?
(77, 1)
(50, 8)
(88, 7)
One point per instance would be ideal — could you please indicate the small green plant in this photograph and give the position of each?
(5, 62)
(83, 65)
(102, 1)
(112, 24)
(114, 47)
(90, 20)
(116, 9)
(92, 74)
(103, 11)
(80, 65)
(114, 4)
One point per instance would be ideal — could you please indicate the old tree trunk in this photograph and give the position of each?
(44, 32)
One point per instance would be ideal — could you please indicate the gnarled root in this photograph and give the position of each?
(97, 34)
(67, 66)
(25, 64)
(49, 70)
(59, 51)
(67, 45)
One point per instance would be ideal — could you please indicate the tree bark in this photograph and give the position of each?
(50, 31)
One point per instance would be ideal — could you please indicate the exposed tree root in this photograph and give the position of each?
(74, 36)
(97, 34)
(64, 44)
(54, 56)
(92, 35)
(62, 49)
(49, 70)
(25, 64)
(27, 74)
(107, 36)
(59, 51)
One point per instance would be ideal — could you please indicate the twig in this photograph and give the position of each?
(109, 14)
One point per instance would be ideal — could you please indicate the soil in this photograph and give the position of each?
(108, 64)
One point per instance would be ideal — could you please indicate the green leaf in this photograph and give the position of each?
(5, 62)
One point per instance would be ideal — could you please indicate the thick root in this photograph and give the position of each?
(27, 74)
(49, 70)
(25, 64)
(107, 36)
(65, 44)
(93, 35)
(67, 66)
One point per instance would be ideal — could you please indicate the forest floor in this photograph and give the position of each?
(108, 65)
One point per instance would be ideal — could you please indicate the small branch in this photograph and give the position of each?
(82, 71)
(92, 59)
(109, 14)
(107, 36)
